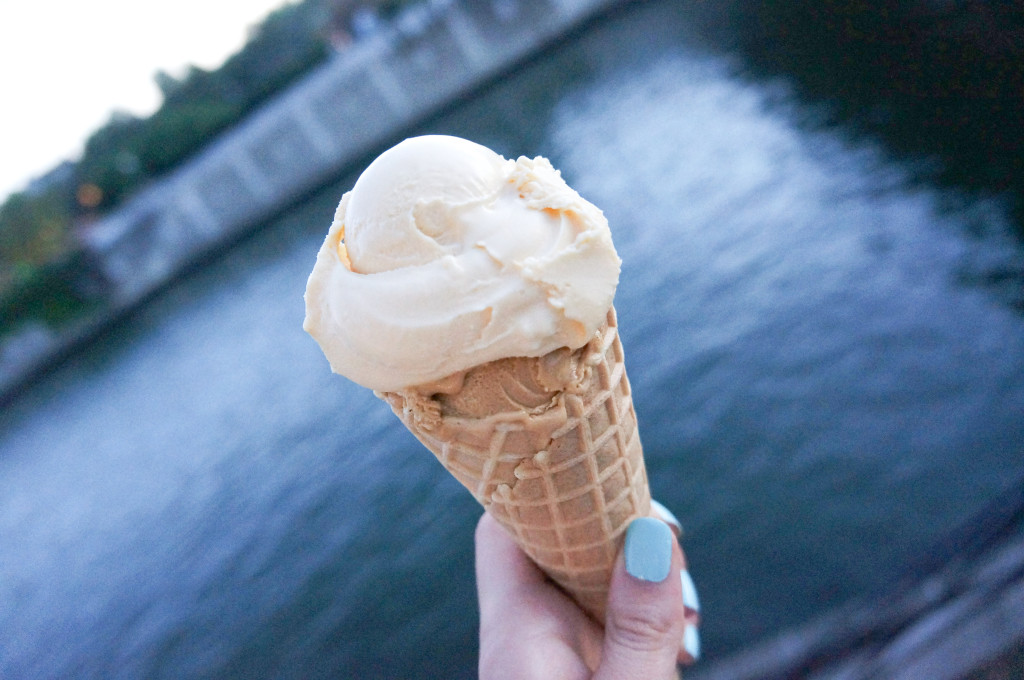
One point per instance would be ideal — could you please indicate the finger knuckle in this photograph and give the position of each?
(643, 629)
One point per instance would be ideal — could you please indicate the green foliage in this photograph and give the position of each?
(176, 132)
(110, 158)
(35, 242)
(34, 229)
(39, 259)
(128, 151)
(45, 293)
(287, 43)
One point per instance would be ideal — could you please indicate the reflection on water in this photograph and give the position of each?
(823, 390)
(809, 370)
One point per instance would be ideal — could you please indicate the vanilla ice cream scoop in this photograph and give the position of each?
(400, 210)
(445, 256)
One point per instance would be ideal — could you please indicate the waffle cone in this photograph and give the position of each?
(549, 446)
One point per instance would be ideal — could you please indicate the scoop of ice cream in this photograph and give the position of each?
(445, 256)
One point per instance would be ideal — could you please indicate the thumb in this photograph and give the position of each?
(645, 618)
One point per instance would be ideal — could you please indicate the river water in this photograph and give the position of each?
(826, 386)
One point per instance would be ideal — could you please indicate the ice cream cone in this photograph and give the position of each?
(549, 446)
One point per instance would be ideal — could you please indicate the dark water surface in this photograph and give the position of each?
(826, 386)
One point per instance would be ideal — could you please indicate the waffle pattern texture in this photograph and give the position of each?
(563, 470)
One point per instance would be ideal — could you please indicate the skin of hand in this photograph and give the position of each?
(531, 629)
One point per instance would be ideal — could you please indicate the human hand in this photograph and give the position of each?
(530, 629)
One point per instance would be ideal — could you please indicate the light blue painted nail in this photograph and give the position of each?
(690, 598)
(648, 549)
(691, 641)
(667, 515)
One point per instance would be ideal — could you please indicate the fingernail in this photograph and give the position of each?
(691, 641)
(690, 598)
(667, 515)
(648, 549)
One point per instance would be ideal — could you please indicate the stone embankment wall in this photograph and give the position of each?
(435, 52)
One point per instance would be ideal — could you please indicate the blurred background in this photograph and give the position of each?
(819, 206)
